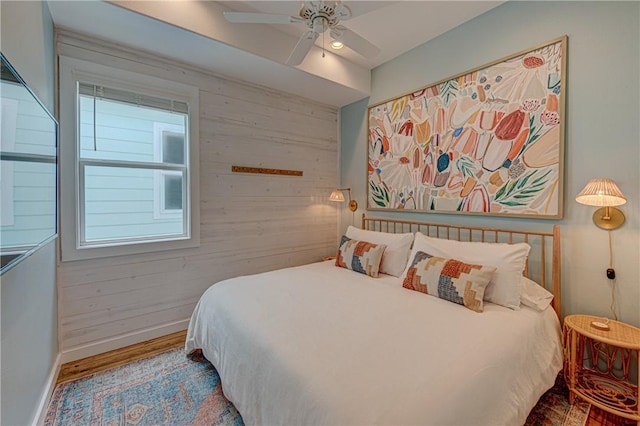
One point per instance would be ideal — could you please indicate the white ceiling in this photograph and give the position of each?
(195, 32)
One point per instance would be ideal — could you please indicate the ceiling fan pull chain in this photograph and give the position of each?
(323, 40)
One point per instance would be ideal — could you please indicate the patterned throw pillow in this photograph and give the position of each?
(360, 256)
(449, 279)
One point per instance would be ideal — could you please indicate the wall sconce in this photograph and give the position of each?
(338, 196)
(604, 193)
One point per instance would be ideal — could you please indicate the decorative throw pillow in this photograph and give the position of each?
(449, 279)
(508, 259)
(360, 256)
(395, 255)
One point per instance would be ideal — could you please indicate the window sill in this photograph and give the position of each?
(70, 254)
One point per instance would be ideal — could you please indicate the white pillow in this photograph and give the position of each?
(396, 255)
(508, 259)
(534, 295)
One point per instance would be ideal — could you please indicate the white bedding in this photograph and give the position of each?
(323, 345)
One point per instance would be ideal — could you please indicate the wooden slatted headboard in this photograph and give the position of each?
(543, 263)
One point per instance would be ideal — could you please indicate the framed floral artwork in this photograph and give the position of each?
(489, 141)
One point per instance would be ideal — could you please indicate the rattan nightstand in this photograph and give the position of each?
(596, 364)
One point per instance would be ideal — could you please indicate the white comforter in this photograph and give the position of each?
(323, 345)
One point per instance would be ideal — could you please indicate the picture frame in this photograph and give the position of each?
(488, 141)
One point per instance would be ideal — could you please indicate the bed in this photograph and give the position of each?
(319, 344)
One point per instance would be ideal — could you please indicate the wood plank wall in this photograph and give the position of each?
(249, 223)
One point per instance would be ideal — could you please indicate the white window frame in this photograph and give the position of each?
(159, 210)
(71, 72)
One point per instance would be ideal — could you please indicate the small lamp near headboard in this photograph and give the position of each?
(604, 193)
(338, 196)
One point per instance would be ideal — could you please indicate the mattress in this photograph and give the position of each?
(321, 345)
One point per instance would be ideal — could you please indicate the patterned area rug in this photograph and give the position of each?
(165, 389)
(553, 408)
(172, 389)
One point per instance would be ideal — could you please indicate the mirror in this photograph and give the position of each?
(28, 170)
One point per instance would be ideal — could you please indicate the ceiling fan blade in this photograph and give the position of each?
(302, 48)
(259, 18)
(355, 42)
(342, 11)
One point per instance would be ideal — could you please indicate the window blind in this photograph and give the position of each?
(125, 96)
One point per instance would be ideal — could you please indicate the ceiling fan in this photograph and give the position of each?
(319, 16)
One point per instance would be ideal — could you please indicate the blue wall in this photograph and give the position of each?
(602, 129)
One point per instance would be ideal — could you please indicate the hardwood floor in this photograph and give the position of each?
(115, 358)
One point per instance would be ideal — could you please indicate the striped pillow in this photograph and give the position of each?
(360, 256)
(449, 279)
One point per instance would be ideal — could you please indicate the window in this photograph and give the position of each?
(169, 143)
(134, 184)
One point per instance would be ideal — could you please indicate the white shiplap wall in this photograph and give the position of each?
(249, 223)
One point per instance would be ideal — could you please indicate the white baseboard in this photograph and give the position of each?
(43, 404)
(95, 348)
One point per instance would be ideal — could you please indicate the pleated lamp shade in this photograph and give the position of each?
(336, 196)
(601, 193)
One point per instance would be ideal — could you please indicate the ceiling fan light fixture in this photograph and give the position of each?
(319, 16)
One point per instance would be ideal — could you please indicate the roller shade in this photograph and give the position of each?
(125, 96)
